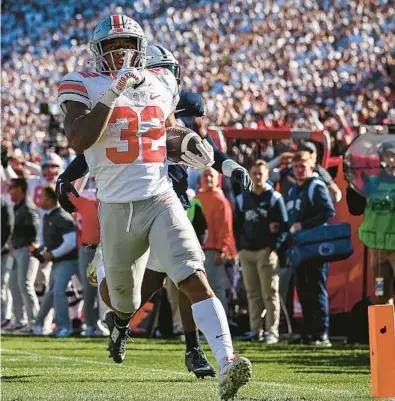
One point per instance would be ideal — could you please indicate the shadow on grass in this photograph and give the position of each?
(19, 378)
(70, 379)
(277, 398)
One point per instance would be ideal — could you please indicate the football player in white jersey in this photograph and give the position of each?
(117, 117)
(51, 166)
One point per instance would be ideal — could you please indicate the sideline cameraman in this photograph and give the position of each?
(377, 230)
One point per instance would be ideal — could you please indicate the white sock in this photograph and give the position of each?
(210, 317)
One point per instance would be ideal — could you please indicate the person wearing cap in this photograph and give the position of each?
(377, 230)
(287, 177)
(309, 205)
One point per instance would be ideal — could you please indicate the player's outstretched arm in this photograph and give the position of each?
(224, 164)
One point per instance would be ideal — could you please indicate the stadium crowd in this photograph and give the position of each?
(300, 64)
(275, 64)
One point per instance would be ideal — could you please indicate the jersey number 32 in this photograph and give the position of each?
(129, 134)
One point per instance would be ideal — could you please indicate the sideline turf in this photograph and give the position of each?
(79, 369)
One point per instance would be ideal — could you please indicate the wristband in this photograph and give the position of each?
(109, 99)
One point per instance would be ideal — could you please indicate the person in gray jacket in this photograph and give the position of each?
(60, 247)
(24, 272)
(7, 226)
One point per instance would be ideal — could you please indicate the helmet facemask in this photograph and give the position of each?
(105, 61)
(50, 171)
(117, 27)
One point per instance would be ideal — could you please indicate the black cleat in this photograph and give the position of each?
(196, 362)
(117, 339)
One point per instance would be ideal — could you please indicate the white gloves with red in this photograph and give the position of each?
(127, 77)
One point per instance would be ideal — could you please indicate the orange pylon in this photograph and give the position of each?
(382, 350)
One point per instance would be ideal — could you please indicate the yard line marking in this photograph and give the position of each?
(89, 361)
(260, 383)
(301, 387)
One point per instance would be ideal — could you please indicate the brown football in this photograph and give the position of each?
(179, 140)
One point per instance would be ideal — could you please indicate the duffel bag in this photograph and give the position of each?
(322, 244)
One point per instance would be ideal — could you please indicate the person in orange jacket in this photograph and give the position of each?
(88, 237)
(220, 244)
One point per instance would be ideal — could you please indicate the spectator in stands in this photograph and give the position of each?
(260, 228)
(7, 227)
(275, 66)
(24, 273)
(220, 242)
(310, 205)
(60, 247)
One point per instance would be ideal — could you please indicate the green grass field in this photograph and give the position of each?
(79, 369)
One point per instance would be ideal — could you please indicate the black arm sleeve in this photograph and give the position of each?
(77, 168)
(323, 201)
(200, 225)
(219, 156)
(7, 222)
(238, 224)
(356, 203)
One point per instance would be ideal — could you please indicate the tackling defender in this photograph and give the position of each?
(117, 117)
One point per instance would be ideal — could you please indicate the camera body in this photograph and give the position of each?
(37, 253)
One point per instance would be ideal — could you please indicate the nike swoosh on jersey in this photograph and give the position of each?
(178, 111)
(152, 97)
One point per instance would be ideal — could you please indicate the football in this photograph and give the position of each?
(179, 140)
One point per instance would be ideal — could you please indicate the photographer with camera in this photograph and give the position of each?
(24, 273)
(377, 230)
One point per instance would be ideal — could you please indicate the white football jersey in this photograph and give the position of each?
(35, 185)
(129, 160)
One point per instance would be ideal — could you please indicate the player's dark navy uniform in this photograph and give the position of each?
(190, 106)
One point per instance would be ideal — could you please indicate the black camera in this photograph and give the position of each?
(37, 253)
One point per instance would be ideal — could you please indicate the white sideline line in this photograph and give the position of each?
(260, 383)
(89, 361)
(306, 388)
